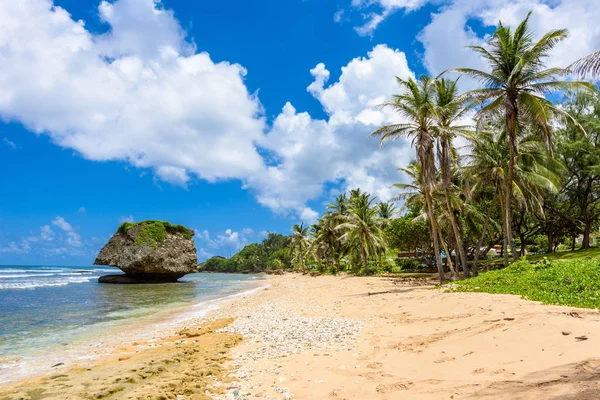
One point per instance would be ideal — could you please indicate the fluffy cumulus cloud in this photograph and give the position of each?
(337, 149)
(139, 92)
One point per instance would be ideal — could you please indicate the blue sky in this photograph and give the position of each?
(233, 118)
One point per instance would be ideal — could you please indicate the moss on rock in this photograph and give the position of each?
(154, 232)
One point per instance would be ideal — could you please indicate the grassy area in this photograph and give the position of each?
(567, 255)
(570, 282)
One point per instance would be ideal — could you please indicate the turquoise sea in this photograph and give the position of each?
(46, 309)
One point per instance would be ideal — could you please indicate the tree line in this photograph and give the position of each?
(513, 163)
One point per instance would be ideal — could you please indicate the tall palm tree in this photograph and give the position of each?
(415, 104)
(449, 108)
(535, 171)
(361, 229)
(515, 87)
(386, 212)
(299, 244)
(326, 239)
(413, 194)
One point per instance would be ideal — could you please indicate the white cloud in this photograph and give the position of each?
(339, 15)
(73, 238)
(81, 210)
(9, 143)
(138, 93)
(225, 243)
(378, 10)
(312, 152)
(46, 233)
(309, 216)
(128, 218)
(141, 93)
(50, 243)
(446, 36)
(62, 224)
(23, 247)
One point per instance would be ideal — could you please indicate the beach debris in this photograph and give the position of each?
(566, 333)
(573, 314)
(581, 338)
(58, 365)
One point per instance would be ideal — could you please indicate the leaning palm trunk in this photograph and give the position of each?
(445, 167)
(448, 256)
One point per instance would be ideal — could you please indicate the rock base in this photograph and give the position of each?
(139, 279)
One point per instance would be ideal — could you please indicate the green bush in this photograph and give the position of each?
(153, 232)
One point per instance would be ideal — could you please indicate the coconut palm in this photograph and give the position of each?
(515, 87)
(448, 108)
(414, 198)
(326, 240)
(535, 171)
(386, 212)
(415, 104)
(360, 228)
(299, 245)
(587, 66)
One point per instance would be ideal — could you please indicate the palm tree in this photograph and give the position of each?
(300, 243)
(386, 212)
(587, 66)
(361, 228)
(535, 171)
(449, 107)
(415, 104)
(326, 239)
(515, 87)
(413, 194)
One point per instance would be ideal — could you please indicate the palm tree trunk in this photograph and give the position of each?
(504, 235)
(434, 235)
(445, 167)
(512, 140)
(480, 241)
(448, 256)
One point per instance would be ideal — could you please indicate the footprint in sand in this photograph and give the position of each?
(375, 365)
(444, 359)
(478, 371)
(393, 387)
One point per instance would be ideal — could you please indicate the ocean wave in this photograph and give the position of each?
(43, 283)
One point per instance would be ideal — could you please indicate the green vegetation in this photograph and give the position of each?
(527, 181)
(573, 283)
(272, 255)
(154, 232)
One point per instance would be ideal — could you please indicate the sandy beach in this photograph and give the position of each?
(351, 338)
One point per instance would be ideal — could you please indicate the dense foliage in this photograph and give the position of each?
(273, 254)
(152, 233)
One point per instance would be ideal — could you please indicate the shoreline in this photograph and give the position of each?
(349, 337)
(88, 349)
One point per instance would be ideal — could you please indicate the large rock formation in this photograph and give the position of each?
(149, 252)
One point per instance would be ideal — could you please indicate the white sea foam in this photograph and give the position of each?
(44, 283)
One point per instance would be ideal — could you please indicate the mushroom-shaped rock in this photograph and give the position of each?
(149, 252)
